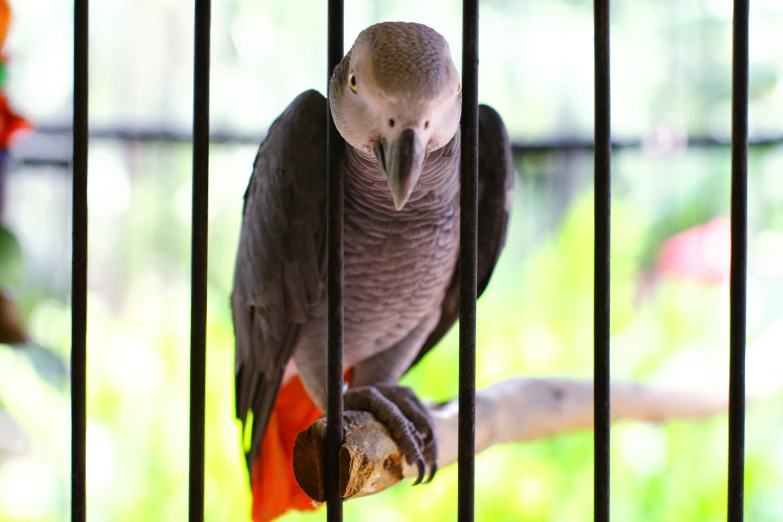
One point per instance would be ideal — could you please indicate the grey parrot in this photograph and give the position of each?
(396, 100)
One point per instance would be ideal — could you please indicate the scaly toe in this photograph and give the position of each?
(401, 429)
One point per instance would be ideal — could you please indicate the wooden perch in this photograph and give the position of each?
(514, 410)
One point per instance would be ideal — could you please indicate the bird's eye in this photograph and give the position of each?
(391, 122)
(352, 82)
(426, 125)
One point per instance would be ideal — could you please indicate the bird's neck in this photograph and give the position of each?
(436, 190)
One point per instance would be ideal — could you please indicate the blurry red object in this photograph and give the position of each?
(701, 253)
(10, 123)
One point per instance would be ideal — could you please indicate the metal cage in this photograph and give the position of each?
(603, 149)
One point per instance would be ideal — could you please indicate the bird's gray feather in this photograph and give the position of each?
(496, 187)
(280, 262)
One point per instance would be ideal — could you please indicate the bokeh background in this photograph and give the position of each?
(671, 71)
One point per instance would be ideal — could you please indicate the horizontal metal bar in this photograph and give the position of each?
(50, 146)
(150, 134)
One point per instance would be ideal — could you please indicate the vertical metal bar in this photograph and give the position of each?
(603, 155)
(198, 295)
(79, 264)
(334, 283)
(739, 253)
(468, 263)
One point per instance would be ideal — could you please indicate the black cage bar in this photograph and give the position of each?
(739, 258)
(466, 451)
(468, 265)
(334, 283)
(198, 292)
(602, 210)
(79, 265)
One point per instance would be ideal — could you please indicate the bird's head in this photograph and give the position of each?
(397, 95)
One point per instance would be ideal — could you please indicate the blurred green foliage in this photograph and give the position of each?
(671, 72)
(11, 260)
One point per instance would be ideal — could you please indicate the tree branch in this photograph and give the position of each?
(511, 411)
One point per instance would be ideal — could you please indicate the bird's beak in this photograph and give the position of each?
(401, 161)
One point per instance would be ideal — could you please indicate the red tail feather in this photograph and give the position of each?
(275, 490)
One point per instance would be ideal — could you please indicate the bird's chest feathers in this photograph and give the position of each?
(399, 261)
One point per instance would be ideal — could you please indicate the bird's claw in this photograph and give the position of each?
(410, 425)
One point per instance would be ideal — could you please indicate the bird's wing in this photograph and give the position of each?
(281, 257)
(496, 188)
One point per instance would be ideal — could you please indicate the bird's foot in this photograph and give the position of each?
(407, 419)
